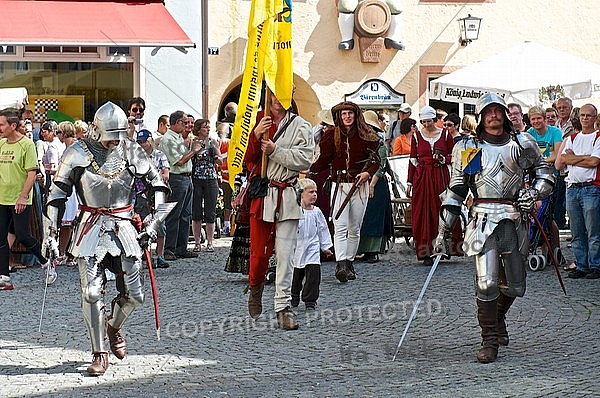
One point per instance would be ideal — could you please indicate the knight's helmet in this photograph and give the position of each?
(110, 123)
(488, 99)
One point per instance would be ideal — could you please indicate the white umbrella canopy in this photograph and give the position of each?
(527, 74)
(13, 97)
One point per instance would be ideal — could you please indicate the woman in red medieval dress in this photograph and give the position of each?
(428, 177)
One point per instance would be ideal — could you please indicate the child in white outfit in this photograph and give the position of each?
(313, 237)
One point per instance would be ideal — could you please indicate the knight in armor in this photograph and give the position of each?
(102, 169)
(507, 174)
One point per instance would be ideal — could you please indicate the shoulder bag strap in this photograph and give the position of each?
(284, 127)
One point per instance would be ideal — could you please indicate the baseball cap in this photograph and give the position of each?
(405, 108)
(143, 135)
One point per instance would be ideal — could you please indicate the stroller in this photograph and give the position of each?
(538, 262)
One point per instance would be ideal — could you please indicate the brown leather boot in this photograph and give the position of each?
(286, 320)
(255, 300)
(340, 271)
(504, 303)
(118, 345)
(487, 315)
(351, 274)
(99, 364)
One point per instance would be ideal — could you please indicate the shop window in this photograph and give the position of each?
(119, 51)
(21, 67)
(77, 89)
(33, 49)
(40, 50)
(70, 49)
(7, 50)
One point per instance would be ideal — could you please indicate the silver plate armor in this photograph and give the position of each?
(104, 179)
(104, 235)
(502, 175)
(497, 232)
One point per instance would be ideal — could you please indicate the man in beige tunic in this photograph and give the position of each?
(287, 141)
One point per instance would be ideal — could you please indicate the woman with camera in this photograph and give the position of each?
(206, 185)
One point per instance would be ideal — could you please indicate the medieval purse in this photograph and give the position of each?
(258, 187)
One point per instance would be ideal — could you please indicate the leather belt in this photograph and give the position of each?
(580, 184)
(346, 178)
(181, 174)
(494, 201)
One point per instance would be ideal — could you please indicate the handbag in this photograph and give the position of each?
(258, 187)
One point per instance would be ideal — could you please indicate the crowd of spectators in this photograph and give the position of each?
(193, 160)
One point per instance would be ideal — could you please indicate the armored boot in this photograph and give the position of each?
(504, 303)
(99, 364)
(118, 345)
(351, 274)
(340, 271)
(255, 300)
(487, 315)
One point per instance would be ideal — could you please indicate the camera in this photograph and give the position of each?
(137, 121)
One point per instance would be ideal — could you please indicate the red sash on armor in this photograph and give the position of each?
(96, 212)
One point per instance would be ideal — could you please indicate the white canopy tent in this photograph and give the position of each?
(527, 74)
(13, 97)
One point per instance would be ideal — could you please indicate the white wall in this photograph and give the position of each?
(173, 80)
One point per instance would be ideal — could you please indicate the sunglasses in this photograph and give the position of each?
(137, 110)
(448, 124)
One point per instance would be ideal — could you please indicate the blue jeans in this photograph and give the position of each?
(583, 204)
(178, 221)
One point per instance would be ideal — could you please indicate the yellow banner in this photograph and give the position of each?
(269, 38)
(279, 71)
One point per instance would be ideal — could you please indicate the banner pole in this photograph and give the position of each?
(265, 159)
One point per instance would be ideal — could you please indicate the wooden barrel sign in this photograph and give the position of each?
(372, 18)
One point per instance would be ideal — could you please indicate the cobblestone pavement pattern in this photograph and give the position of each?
(210, 348)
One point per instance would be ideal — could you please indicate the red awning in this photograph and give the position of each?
(89, 23)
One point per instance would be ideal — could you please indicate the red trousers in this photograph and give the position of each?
(262, 240)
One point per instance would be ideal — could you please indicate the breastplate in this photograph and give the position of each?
(106, 183)
(501, 176)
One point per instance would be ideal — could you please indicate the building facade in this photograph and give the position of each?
(325, 75)
(74, 56)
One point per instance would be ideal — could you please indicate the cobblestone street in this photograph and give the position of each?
(209, 347)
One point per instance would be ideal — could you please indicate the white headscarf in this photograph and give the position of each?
(427, 112)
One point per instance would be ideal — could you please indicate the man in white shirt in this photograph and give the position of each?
(581, 155)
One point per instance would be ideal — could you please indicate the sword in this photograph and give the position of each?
(337, 187)
(554, 262)
(51, 250)
(347, 199)
(154, 292)
(416, 307)
(162, 211)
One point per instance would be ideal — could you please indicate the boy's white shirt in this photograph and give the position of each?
(313, 237)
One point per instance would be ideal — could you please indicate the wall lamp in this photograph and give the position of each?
(469, 29)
